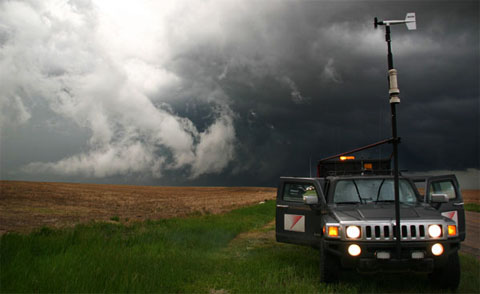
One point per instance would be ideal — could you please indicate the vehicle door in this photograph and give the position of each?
(453, 209)
(297, 222)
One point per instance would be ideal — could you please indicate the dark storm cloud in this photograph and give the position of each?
(338, 63)
(252, 94)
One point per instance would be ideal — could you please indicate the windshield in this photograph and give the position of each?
(372, 190)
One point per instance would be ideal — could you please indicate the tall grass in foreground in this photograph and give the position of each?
(201, 254)
(154, 256)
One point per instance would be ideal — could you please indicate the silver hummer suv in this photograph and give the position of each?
(350, 218)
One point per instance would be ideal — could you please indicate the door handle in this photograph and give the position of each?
(282, 206)
(458, 204)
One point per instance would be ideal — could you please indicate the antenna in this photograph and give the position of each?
(310, 165)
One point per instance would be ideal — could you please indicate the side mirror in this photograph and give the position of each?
(439, 198)
(310, 199)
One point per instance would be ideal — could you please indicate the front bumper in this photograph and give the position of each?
(369, 261)
(371, 265)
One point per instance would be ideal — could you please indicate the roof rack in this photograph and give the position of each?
(354, 167)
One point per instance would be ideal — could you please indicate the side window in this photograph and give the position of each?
(295, 191)
(443, 187)
(420, 185)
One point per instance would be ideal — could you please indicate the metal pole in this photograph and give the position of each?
(389, 55)
(395, 153)
(395, 181)
(357, 150)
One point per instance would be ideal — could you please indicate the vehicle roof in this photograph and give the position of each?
(335, 178)
(301, 178)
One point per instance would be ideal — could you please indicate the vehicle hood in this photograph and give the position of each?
(383, 211)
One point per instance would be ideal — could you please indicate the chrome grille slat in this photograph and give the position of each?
(405, 232)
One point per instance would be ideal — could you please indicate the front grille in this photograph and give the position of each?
(377, 232)
(386, 231)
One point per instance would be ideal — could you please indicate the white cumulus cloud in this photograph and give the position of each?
(105, 66)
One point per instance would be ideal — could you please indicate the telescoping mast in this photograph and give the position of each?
(394, 100)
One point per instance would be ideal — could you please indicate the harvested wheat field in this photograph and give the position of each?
(471, 196)
(28, 205)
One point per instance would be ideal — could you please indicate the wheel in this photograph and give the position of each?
(329, 266)
(448, 276)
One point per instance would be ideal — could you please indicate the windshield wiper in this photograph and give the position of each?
(385, 201)
(358, 191)
(379, 189)
(348, 202)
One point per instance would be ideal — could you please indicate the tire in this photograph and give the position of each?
(448, 276)
(329, 266)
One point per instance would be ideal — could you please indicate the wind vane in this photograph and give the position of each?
(411, 24)
(409, 21)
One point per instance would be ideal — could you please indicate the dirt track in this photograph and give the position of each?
(28, 205)
(471, 244)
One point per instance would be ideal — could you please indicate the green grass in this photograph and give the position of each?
(472, 207)
(200, 254)
(115, 218)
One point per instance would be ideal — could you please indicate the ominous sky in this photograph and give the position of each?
(221, 93)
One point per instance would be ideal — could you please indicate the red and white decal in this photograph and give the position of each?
(294, 222)
(451, 215)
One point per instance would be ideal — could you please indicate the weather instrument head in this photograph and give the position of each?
(411, 24)
(409, 21)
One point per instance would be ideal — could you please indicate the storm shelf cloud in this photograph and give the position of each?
(230, 92)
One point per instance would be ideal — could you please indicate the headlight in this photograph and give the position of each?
(353, 232)
(434, 231)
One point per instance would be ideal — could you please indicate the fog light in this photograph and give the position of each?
(354, 250)
(437, 249)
